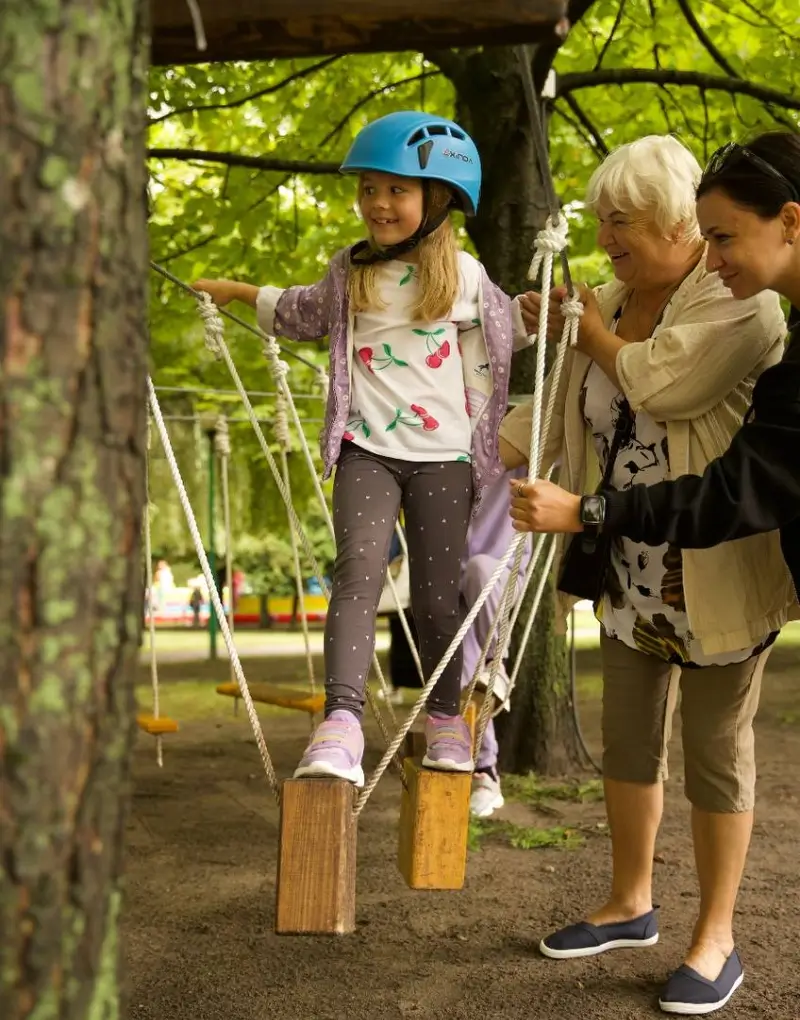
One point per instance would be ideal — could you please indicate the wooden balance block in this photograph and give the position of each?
(317, 858)
(434, 825)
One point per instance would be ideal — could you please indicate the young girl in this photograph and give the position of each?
(420, 346)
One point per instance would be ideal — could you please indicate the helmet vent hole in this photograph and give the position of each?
(437, 129)
(457, 134)
(418, 136)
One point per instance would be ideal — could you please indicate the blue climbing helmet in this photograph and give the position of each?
(414, 144)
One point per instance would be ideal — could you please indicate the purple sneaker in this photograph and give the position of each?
(449, 744)
(335, 749)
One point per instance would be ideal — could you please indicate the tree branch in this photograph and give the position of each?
(667, 76)
(597, 140)
(269, 90)
(545, 55)
(453, 65)
(370, 96)
(584, 132)
(705, 41)
(611, 34)
(291, 166)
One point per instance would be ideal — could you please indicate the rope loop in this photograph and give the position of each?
(272, 351)
(282, 432)
(222, 437)
(324, 381)
(551, 240)
(212, 321)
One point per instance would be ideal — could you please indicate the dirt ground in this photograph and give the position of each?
(201, 886)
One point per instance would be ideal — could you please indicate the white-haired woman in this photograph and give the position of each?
(666, 350)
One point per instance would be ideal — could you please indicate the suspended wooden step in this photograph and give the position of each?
(278, 695)
(261, 29)
(156, 726)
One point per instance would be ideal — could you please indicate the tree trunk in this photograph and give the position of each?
(72, 413)
(540, 733)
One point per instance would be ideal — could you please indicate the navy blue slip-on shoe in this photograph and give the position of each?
(587, 939)
(690, 994)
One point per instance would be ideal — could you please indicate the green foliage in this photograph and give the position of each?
(533, 790)
(275, 227)
(521, 837)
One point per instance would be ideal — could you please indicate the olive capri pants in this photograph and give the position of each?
(718, 705)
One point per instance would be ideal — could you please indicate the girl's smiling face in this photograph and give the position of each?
(391, 206)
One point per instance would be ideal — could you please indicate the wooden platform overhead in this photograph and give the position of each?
(260, 29)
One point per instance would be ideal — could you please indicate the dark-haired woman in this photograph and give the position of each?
(748, 207)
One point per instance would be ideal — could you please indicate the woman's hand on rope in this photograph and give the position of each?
(591, 323)
(222, 292)
(542, 506)
(530, 305)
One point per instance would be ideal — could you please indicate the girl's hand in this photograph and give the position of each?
(530, 305)
(544, 507)
(222, 291)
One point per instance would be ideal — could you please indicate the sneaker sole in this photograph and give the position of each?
(324, 770)
(699, 1008)
(489, 810)
(448, 765)
(571, 954)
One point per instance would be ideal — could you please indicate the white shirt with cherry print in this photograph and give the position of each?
(407, 387)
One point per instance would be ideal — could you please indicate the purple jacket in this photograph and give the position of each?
(321, 309)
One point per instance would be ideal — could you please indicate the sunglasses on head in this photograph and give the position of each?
(728, 155)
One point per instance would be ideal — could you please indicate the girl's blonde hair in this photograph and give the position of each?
(437, 268)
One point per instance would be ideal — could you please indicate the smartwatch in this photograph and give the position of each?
(593, 513)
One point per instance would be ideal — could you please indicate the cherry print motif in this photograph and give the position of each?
(420, 417)
(376, 363)
(409, 276)
(437, 351)
(353, 425)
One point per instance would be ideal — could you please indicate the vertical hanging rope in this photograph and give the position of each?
(222, 448)
(284, 442)
(197, 540)
(148, 559)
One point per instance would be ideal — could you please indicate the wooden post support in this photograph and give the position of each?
(434, 824)
(317, 858)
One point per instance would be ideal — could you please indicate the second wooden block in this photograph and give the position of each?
(434, 827)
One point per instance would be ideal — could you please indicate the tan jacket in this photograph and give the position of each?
(696, 374)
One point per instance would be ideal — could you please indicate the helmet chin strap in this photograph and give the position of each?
(366, 254)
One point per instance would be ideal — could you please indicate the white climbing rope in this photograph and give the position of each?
(269, 769)
(285, 442)
(222, 448)
(151, 621)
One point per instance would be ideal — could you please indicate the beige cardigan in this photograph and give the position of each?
(696, 374)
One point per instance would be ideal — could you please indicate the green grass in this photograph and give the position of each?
(533, 790)
(522, 837)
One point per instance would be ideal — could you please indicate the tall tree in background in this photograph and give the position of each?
(245, 182)
(72, 402)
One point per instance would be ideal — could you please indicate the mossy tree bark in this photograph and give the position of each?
(73, 366)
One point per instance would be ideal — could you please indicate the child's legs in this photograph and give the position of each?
(437, 500)
(366, 497)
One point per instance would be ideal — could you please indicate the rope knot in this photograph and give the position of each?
(282, 423)
(212, 320)
(272, 352)
(222, 437)
(550, 240)
(324, 382)
(572, 307)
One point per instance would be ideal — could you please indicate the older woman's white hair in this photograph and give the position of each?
(656, 175)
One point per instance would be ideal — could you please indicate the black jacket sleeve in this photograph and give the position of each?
(753, 487)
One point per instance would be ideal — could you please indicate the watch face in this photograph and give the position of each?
(592, 509)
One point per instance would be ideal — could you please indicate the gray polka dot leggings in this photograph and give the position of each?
(368, 492)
